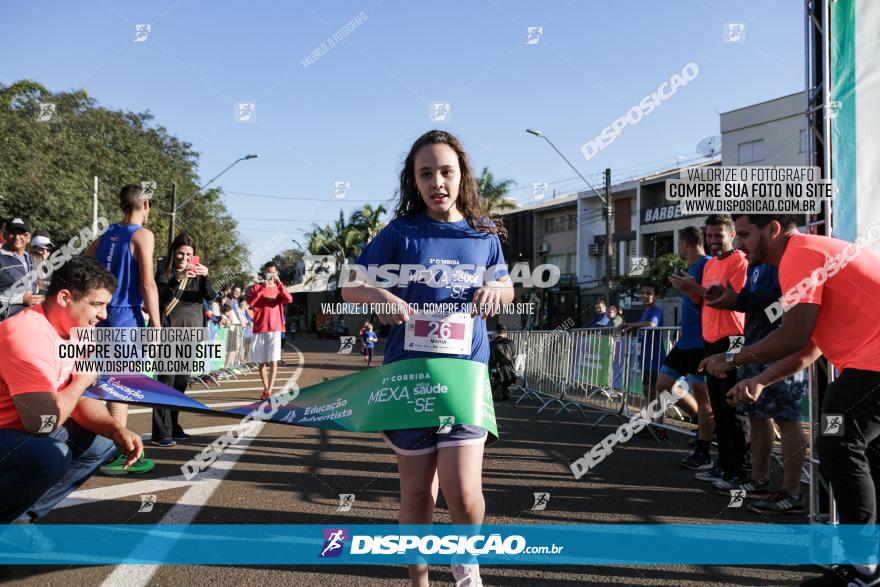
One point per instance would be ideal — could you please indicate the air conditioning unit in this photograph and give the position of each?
(544, 248)
(594, 250)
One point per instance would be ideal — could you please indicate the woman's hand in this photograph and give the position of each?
(197, 270)
(487, 302)
(399, 311)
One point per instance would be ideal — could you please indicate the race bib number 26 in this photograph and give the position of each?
(438, 333)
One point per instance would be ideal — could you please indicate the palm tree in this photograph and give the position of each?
(494, 194)
(368, 221)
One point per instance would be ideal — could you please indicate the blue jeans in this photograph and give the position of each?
(37, 472)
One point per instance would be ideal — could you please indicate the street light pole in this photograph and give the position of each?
(174, 206)
(606, 206)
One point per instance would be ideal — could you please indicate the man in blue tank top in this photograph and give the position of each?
(126, 250)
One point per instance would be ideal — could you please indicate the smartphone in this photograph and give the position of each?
(195, 260)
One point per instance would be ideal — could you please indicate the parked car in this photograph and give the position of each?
(333, 329)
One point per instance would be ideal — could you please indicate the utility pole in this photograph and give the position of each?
(609, 245)
(171, 225)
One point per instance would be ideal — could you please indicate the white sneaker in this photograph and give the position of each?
(467, 575)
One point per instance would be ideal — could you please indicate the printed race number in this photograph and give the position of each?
(437, 333)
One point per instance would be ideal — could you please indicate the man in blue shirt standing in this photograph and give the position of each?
(652, 317)
(601, 317)
(126, 250)
(684, 358)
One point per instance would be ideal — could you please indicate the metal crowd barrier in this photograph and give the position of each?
(590, 369)
(234, 356)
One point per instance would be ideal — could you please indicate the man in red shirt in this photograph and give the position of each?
(267, 299)
(831, 304)
(727, 266)
(51, 438)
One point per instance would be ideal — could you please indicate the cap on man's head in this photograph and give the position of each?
(21, 223)
(41, 239)
(500, 328)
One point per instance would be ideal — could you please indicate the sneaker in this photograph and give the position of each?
(163, 442)
(779, 502)
(696, 461)
(140, 466)
(843, 576)
(180, 435)
(725, 486)
(467, 575)
(710, 475)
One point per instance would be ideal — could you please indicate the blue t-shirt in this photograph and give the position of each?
(599, 320)
(691, 319)
(370, 338)
(652, 356)
(420, 240)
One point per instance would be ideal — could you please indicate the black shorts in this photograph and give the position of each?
(684, 363)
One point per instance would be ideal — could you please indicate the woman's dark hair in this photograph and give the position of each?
(469, 199)
(79, 276)
(184, 239)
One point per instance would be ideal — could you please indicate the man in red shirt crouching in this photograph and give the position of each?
(51, 438)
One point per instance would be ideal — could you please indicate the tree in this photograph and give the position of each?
(494, 193)
(46, 171)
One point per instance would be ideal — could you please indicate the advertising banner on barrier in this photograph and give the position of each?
(413, 393)
(596, 361)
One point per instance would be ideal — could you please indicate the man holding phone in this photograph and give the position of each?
(267, 299)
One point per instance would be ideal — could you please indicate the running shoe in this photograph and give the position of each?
(779, 502)
(467, 575)
(696, 461)
(725, 486)
(710, 475)
(843, 576)
(139, 467)
(163, 442)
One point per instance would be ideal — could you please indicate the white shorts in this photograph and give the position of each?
(265, 347)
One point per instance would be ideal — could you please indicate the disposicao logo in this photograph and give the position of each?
(334, 542)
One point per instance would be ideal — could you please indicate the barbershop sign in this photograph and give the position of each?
(663, 213)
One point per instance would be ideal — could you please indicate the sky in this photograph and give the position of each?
(351, 114)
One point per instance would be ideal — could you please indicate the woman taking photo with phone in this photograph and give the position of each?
(183, 286)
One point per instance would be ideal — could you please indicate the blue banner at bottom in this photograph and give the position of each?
(575, 544)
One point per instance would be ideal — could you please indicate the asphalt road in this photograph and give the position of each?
(292, 475)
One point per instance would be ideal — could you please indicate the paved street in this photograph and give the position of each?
(292, 475)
